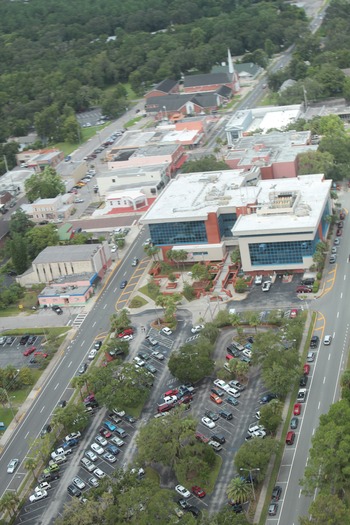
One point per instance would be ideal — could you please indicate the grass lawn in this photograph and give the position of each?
(132, 122)
(136, 411)
(6, 415)
(145, 291)
(56, 331)
(86, 134)
(137, 302)
(208, 484)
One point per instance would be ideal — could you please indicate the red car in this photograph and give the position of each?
(306, 369)
(127, 331)
(197, 491)
(173, 392)
(339, 232)
(105, 433)
(201, 437)
(40, 354)
(342, 216)
(89, 398)
(29, 350)
(297, 409)
(229, 356)
(293, 313)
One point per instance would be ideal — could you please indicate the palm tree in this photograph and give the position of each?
(235, 320)
(239, 490)
(9, 502)
(152, 251)
(31, 464)
(79, 382)
(254, 320)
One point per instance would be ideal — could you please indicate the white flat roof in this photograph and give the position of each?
(275, 120)
(283, 205)
(192, 196)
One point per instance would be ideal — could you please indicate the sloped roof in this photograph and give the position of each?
(206, 79)
(224, 91)
(165, 85)
(172, 102)
(205, 100)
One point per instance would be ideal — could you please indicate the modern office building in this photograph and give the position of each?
(276, 223)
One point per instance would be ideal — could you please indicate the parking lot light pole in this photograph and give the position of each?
(250, 477)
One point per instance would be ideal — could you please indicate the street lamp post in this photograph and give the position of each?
(250, 477)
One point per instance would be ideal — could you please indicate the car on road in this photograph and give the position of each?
(314, 341)
(339, 232)
(302, 395)
(294, 422)
(327, 340)
(276, 493)
(333, 259)
(11, 467)
(37, 496)
(166, 331)
(310, 357)
(135, 261)
(98, 345)
(266, 286)
(297, 409)
(82, 369)
(79, 483)
(97, 448)
(123, 284)
(306, 369)
(92, 354)
(273, 508)
(30, 350)
(197, 491)
(197, 328)
(184, 493)
(303, 380)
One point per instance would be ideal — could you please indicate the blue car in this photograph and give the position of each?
(112, 449)
(109, 426)
(73, 442)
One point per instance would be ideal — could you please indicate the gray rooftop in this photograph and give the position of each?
(206, 79)
(72, 253)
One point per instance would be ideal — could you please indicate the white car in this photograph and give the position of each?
(170, 399)
(266, 286)
(255, 428)
(93, 481)
(139, 361)
(247, 352)
(42, 486)
(78, 201)
(79, 483)
(91, 456)
(73, 435)
(99, 473)
(197, 328)
(166, 331)
(233, 391)
(101, 441)
(258, 279)
(11, 467)
(92, 354)
(96, 448)
(221, 384)
(117, 441)
(158, 356)
(113, 248)
(37, 496)
(327, 340)
(182, 491)
(127, 337)
(208, 422)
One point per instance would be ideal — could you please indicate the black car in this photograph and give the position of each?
(98, 345)
(62, 403)
(123, 284)
(194, 510)
(31, 340)
(82, 369)
(24, 339)
(129, 419)
(267, 398)
(276, 493)
(303, 380)
(57, 309)
(212, 415)
(144, 355)
(314, 342)
(217, 392)
(73, 491)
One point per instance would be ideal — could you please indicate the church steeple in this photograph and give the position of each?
(231, 70)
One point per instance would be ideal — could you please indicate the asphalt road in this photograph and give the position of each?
(323, 385)
(54, 389)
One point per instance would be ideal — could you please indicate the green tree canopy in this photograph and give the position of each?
(44, 185)
(208, 163)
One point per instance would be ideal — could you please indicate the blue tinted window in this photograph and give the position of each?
(226, 222)
(288, 252)
(191, 232)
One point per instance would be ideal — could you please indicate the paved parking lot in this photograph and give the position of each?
(234, 430)
(12, 354)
